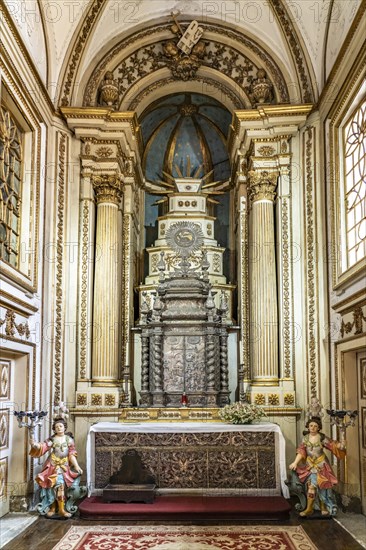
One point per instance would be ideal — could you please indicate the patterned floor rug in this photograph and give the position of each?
(188, 537)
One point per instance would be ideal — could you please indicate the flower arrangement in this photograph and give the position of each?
(241, 413)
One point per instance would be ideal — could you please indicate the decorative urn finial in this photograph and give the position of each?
(109, 90)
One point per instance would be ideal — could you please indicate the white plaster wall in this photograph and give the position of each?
(27, 18)
(61, 20)
(342, 16)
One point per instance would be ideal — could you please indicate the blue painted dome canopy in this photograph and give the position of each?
(185, 136)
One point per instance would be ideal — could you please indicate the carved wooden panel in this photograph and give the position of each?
(3, 477)
(235, 461)
(4, 428)
(5, 380)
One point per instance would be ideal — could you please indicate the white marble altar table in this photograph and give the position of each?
(115, 437)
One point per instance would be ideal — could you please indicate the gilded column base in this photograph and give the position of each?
(265, 382)
(103, 383)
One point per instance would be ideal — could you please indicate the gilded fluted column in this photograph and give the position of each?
(262, 278)
(105, 367)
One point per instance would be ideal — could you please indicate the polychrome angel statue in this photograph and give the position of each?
(313, 469)
(60, 476)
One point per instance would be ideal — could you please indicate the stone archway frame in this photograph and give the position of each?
(216, 35)
(164, 84)
(93, 14)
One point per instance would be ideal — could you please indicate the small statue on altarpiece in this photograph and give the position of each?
(314, 471)
(60, 476)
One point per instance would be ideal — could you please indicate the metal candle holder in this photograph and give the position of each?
(343, 419)
(30, 419)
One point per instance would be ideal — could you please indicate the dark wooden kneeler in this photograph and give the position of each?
(129, 493)
(131, 483)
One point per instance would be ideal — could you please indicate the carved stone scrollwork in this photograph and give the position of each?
(108, 188)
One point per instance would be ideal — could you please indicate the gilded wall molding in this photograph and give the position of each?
(347, 304)
(16, 304)
(31, 114)
(84, 289)
(126, 285)
(288, 28)
(105, 65)
(330, 86)
(5, 16)
(244, 240)
(311, 261)
(286, 289)
(77, 51)
(345, 98)
(59, 286)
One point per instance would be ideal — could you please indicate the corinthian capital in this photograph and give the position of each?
(262, 185)
(108, 188)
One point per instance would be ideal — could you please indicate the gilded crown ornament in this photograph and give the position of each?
(184, 55)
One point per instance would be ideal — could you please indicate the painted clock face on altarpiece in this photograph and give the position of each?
(185, 237)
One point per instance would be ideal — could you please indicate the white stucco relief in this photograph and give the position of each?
(119, 20)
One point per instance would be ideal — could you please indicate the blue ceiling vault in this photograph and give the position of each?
(185, 135)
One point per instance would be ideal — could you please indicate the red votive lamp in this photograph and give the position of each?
(184, 400)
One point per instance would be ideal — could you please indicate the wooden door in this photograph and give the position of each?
(361, 369)
(5, 432)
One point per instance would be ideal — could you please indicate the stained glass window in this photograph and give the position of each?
(355, 184)
(10, 187)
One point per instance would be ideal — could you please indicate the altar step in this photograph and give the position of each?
(189, 508)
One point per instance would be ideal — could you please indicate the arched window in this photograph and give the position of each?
(354, 152)
(11, 167)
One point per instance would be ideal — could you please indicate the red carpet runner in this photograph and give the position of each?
(174, 508)
(190, 537)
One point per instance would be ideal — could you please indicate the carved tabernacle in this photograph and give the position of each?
(234, 462)
(184, 336)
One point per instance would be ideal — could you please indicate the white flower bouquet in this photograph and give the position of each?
(241, 413)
